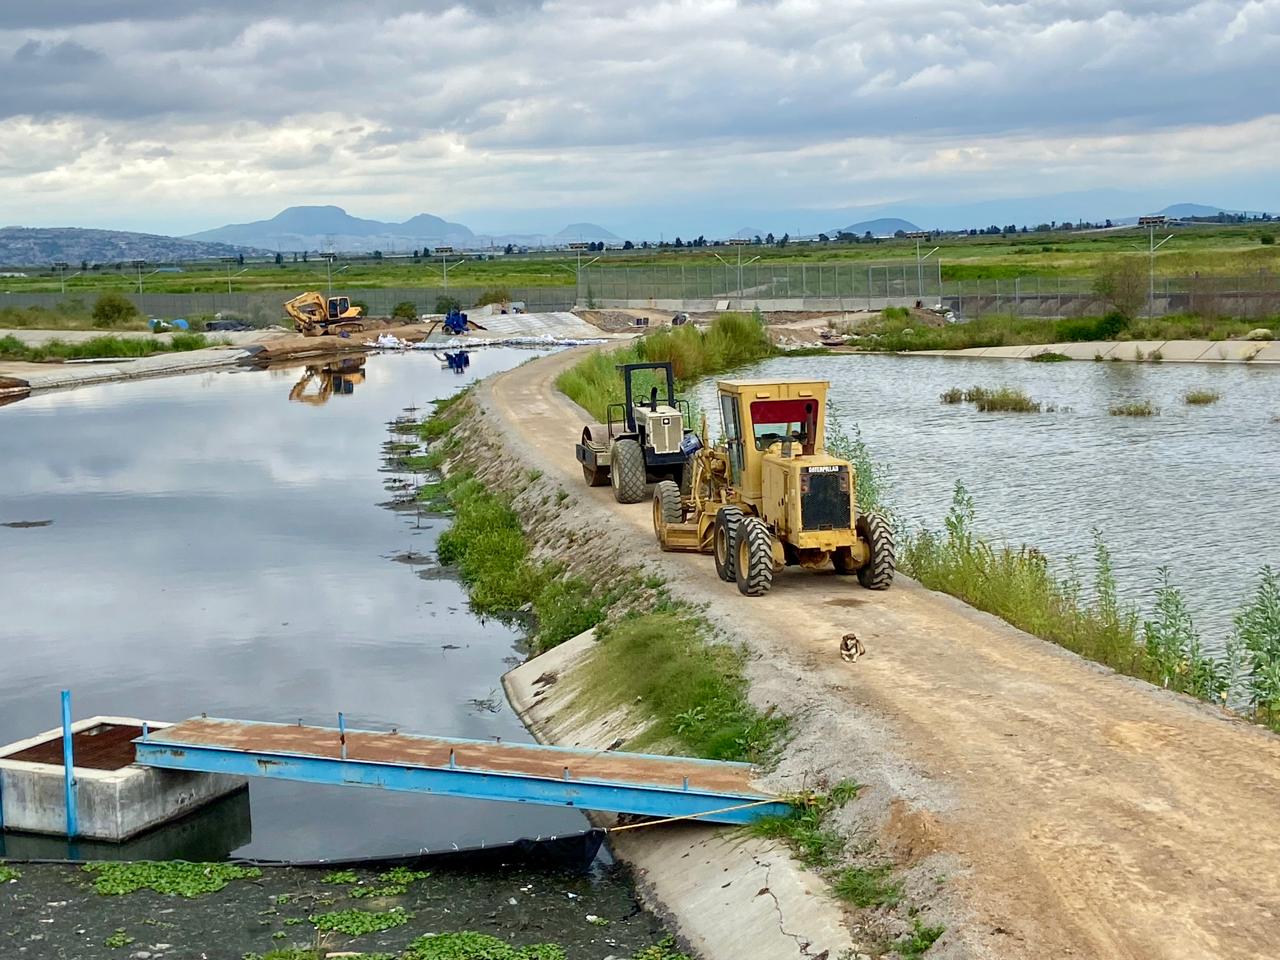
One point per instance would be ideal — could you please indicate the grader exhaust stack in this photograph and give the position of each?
(771, 496)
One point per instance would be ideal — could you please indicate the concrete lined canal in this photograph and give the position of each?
(216, 548)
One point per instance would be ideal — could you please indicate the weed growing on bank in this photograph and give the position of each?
(9, 874)
(11, 348)
(805, 831)
(1164, 649)
(732, 340)
(691, 685)
(1048, 356)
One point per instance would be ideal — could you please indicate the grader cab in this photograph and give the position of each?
(771, 496)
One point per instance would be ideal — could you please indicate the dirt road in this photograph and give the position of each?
(1086, 814)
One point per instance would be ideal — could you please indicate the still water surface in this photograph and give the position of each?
(216, 548)
(1195, 488)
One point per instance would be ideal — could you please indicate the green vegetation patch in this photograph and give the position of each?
(804, 830)
(919, 940)
(1007, 400)
(340, 876)
(868, 887)
(691, 685)
(1134, 408)
(11, 348)
(9, 874)
(732, 340)
(169, 877)
(1201, 398)
(357, 923)
(476, 946)
(1048, 356)
(118, 939)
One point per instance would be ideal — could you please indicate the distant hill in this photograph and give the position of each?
(32, 246)
(585, 231)
(329, 227)
(883, 227)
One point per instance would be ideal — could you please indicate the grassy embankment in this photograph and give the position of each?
(896, 330)
(11, 348)
(691, 683)
(1020, 587)
(732, 340)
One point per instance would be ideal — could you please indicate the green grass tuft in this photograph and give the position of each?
(1200, 398)
(1134, 408)
(868, 886)
(692, 687)
(1048, 356)
(919, 940)
(1006, 400)
(111, 347)
(9, 874)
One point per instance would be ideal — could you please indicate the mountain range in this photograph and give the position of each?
(28, 246)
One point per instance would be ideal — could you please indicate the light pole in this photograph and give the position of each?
(445, 253)
(61, 267)
(738, 242)
(229, 261)
(328, 269)
(1151, 223)
(917, 236)
(577, 274)
(139, 264)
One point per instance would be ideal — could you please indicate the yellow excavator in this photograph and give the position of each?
(339, 376)
(316, 316)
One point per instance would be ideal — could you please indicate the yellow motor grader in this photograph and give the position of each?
(771, 496)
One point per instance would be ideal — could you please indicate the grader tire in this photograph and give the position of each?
(877, 572)
(666, 509)
(627, 473)
(754, 567)
(725, 542)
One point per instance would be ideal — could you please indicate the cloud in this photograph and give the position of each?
(543, 102)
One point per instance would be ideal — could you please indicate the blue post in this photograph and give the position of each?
(342, 734)
(68, 768)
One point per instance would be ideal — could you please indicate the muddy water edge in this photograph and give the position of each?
(222, 549)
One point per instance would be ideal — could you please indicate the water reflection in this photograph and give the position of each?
(217, 548)
(319, 382)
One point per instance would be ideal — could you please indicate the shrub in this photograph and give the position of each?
(1122, 283)
(405, 310)
(1257, 635)
(496, 295)
(1174, 655)
(444, 304)
(112, 309)
(1048, 356)
(1267, 239)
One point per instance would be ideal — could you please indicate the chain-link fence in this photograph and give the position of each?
(820, 286)
(267, 307)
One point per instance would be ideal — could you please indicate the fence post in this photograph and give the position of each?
(868, 288)
(960, 289)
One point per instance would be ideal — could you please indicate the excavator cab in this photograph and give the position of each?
(338, 307)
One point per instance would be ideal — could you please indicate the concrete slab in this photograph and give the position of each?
(1142, 351)
(739, 898)
(113, 804)
(556, 324)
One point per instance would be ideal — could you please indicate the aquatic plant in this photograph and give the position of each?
(476, 946)
(1005, 400)
(1201, 398)
(357, 923)
(954, 395)
(118, 939)
(1134, 408)
(340, 876)
(170, 877)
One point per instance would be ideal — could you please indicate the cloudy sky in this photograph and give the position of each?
(676, 115)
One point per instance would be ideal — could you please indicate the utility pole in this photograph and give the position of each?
(61, 267)
(738, 242)
(139, 264)
(1151, 223)
(328, 269)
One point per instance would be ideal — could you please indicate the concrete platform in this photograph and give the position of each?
(1148, 351)
(116, 799)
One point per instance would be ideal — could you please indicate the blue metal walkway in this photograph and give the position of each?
(632, 783)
